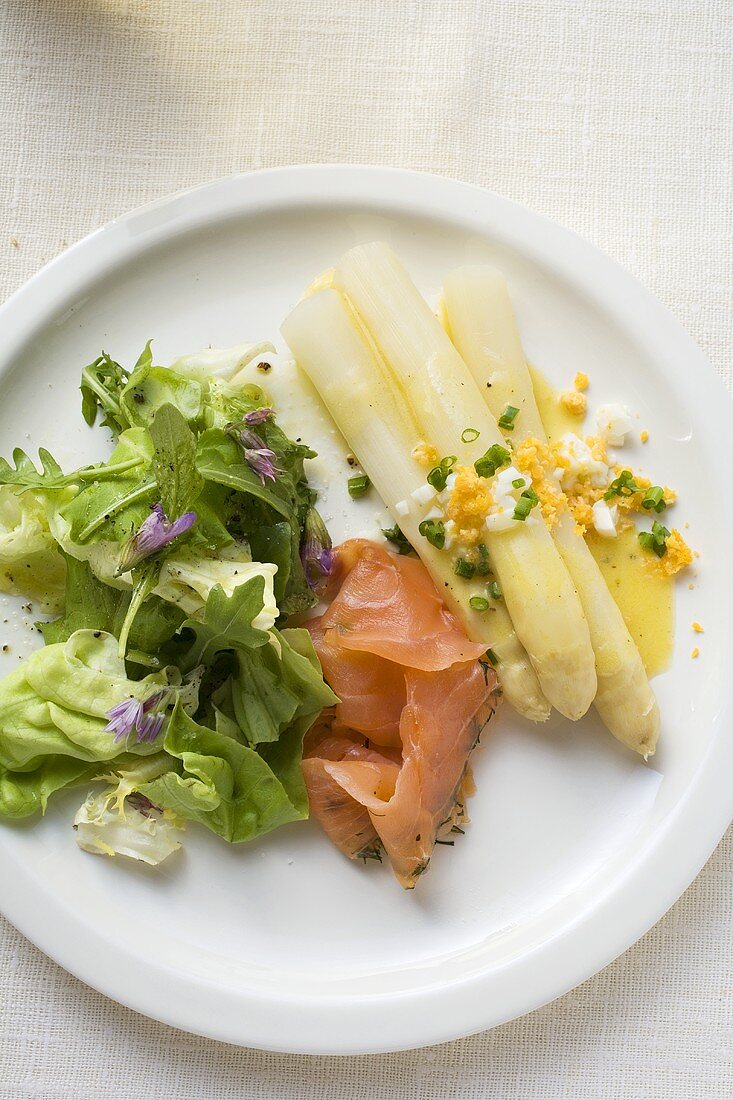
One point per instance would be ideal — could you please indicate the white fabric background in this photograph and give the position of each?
(614, 117)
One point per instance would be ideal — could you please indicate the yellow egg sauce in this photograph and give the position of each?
(644, 595)
(555, 416)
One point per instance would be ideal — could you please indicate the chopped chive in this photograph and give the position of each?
(470, 435)
(491, 656)
(518, 482)
(654, 499)
(479, 603)
(463, 568)
(396, 537)
(622, 486)
(438, 476)
(656, 539)
(495, 590)
(483, 565)
(507, 418)
(358, 486)
(525, 504)
(496, 457)
(434, 532)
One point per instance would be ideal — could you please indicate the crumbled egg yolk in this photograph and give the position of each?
(581, 381)
(695, 652)
(425, 454)
(678, 555)
(574, 402)
(697, 627)
(644, 436)
(537, 459)
(468, 505)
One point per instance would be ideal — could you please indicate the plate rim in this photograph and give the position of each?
(348, 1024)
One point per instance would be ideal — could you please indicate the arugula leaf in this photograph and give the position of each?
(226, 623)
(219, 459)
(113, 508)
(174, 461)
(101, 384)
(275, 544)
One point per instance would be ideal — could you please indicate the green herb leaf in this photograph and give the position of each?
(654, 499)
(438, 476)
(495, 590)
(483, 565)
(496, 457)
(622, 486)
(656, 539)
(434, 532)
(527, 501)
(463, 568)
(358, 485)
(507, 418)
(479, 603)
(470, 435)
(398, 539)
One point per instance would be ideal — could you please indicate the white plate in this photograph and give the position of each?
(576, 848)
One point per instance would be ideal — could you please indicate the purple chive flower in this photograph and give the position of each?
(258, 457)
(124, 717)
(257, 416)
(315, 550)
(155, 532)
(144, 717)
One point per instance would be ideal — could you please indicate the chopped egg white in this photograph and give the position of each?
(424, 494)
(500, 521)
(605, 519)
(581, 463)
(402, 508)
(614, 423)
(503, 482)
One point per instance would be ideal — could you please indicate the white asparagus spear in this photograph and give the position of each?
(379, 428)
(483, 326)
(539, 594)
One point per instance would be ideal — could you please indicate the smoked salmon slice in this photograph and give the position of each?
(385, 767)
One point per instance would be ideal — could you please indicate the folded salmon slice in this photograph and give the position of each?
(388, 606)
(406, 676)
(344, 820)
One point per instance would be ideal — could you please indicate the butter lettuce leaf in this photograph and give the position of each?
(30, 561)
(226, 786)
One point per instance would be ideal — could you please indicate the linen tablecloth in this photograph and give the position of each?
(612, 116)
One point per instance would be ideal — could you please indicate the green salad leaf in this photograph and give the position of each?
(89, 604)
(225, 785)
(30, 561)
(56, 702)
(164, 675)
(174, 461)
